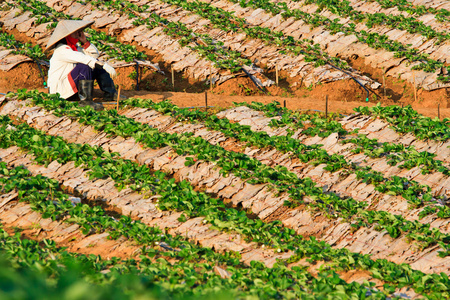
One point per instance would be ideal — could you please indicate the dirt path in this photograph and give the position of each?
(304, 103)
(312, 103)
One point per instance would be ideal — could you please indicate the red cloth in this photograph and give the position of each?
(72, 42)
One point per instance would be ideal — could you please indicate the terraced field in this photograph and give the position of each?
(252, 200)
(255, 200)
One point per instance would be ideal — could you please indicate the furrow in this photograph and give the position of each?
(365, 240)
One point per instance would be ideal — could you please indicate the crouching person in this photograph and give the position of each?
(73, 67)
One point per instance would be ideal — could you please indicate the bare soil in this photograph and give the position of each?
(343, 95)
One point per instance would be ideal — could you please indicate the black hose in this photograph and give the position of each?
(190, 107)
(250, 76)
(367, 91)
(137, 75)
(42, 73)
(167, 247)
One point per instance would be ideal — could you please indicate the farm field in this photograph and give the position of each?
(222, 176)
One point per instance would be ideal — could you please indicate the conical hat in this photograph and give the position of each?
(65, 28)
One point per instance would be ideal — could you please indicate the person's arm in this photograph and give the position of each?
(65, 54)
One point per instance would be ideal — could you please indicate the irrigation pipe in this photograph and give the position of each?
(40, 71)
(367, 91)
(318, 110)
(254, 81)
(191, 107)
(167, 247)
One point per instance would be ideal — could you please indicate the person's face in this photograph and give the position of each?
(77, 34)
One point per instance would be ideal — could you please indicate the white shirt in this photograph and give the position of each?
(63, 60)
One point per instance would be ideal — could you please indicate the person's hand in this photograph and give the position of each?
(82, 37)
(110, 70)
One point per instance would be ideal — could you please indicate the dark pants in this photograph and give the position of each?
(84, 72)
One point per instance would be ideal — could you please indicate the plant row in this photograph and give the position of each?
(247, 168)
(410, 24)
(441, 15)
(317, 251)
(284, 181)
(407, 120)
(373, 39)
(323, 127)
(416, 194)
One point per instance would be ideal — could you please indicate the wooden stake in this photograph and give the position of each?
(439, 112)
(173, 78)
(384, 85)
(415, 91)
(284, 103)
(118, 97)
(276, 74)
(326, 106)
(206, 101)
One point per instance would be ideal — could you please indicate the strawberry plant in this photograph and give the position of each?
(407, 120)
(373, 39)
(8, 41)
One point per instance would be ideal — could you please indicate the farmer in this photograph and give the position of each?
(73, 67)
